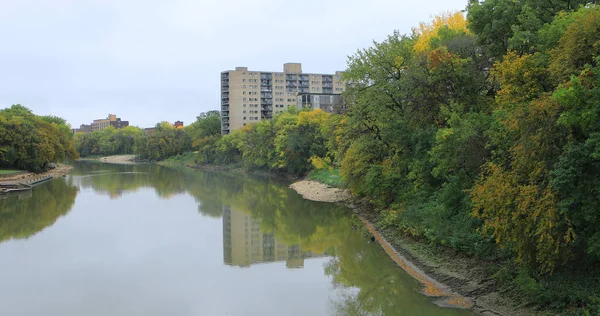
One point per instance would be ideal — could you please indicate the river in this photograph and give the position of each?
(151, 240)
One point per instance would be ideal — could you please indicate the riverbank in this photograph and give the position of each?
(116, 159)
(449, 277)
(453, 279)
(60, 171)
(320, 192)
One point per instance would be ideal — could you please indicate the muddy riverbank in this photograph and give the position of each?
(60, 171)
(117, 159)
(316, 191)
(451, 278)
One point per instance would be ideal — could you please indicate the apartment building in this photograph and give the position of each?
(82, 129)
(248, 96)
(111, 120)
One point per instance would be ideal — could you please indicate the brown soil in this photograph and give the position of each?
(59, 171)
(316, 191)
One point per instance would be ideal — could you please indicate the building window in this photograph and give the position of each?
(244, 116)
(243, 80)
(244, 99)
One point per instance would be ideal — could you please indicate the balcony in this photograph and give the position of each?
(291, 77)
(266, 90)
(225, 108)
(266, 76)
(225, 89)
(304, 77)
(327, 85)
(266, 101)
(291, 89)
(291, 84)
(265, 82)
(224, 113)
(327, 79)
(266, 95)
(303, 90)
(266, 108)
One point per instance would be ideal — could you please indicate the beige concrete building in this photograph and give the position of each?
(244, 244)
(248, 96)
(111, 120)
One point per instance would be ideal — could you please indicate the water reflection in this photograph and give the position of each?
(24, 215)
(245, 244)
(262, 221)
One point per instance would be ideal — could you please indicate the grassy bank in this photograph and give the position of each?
(331, 177)
(10, 171)
(187, 158)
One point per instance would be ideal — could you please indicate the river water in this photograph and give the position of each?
(151, 240)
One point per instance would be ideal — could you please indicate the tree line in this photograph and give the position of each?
(478, 132)
(163, 142)
(31, 142)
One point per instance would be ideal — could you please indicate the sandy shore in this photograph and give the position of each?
(59, 171)
(316, 191)
(117, 159)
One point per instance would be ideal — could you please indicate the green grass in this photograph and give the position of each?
(183, 159)
(9, 171)
(330, 177)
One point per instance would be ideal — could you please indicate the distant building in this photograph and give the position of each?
(118, 123)
(82, 129)
(250, 96)
(325, 102)
(178, 124)
(111, 120)
(149, 131)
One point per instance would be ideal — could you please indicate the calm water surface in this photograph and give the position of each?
(151, 240)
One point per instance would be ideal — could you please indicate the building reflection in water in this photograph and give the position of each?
(244, 244)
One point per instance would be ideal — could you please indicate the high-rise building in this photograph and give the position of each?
(249, 96)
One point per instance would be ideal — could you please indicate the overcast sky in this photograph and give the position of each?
(149, 60)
